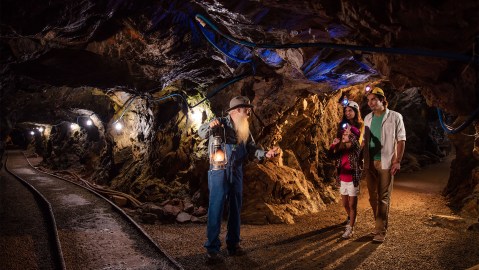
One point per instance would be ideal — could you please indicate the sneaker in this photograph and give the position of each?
(213, 257)
(348, 233)
(379, 238)
(236, 251)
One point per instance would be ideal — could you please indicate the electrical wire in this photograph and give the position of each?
(461, 127)
(447, 55)
(129, 102)
(223, 51)
(221, 87)
(202, 20)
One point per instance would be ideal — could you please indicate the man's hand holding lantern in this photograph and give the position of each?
(272, 152)
(214, 123)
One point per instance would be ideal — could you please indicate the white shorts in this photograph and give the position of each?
(348, 188)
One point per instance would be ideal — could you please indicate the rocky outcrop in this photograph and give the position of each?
(277, 194)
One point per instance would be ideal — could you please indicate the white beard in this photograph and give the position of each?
(242, 129)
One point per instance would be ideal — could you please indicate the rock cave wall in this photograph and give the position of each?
(140, 64)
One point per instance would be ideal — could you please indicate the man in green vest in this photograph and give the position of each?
(385, 139)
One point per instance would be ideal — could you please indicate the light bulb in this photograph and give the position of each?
(345, 101)
(40, 129)
(32, 133)
(197, 116)
(89, 122)
(368, 88)
(118, 126)
(219, 155)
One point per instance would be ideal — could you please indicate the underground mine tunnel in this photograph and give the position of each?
(114, 95)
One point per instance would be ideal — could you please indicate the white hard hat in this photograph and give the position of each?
(353, 104)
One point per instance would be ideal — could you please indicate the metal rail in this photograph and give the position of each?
(46, 207)
(141, 235)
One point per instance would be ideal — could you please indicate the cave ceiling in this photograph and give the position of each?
(61, 48)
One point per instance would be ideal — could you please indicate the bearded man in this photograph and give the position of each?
(227, 184)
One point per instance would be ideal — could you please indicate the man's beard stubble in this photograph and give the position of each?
(242, 129)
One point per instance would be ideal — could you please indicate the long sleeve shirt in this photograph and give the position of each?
(392, 131)
(352, 158)
(230, 133)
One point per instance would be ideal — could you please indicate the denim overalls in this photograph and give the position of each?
(225, 185)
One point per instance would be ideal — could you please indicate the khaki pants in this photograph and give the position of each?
(380, 185)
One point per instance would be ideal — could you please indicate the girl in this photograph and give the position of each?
(352, 116)
(347, 152)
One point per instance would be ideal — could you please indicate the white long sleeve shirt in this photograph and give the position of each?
(392, 131)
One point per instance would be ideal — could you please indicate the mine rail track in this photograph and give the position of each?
(28, 235)
(86, 230)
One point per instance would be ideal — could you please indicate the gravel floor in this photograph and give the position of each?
(414, 240)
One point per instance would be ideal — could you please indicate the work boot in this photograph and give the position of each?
(213, 257)
(236, 251)
(379, 238)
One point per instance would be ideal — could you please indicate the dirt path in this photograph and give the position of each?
(414, 240)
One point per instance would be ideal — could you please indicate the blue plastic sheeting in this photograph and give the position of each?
(332, 72)
(234, 50)
(238, 53)
(365, 67)
(270, 57)
(314, 69)
(337, 31)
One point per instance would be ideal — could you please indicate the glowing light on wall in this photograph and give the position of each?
(118, 126)
(32, 133)
(41, 129)
(196, 116)
(89, 122)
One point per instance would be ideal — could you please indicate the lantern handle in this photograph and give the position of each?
(224, 133)
(212, 130)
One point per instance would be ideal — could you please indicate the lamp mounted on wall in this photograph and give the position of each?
(118, 126)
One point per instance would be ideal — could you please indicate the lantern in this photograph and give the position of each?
(217, 151)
